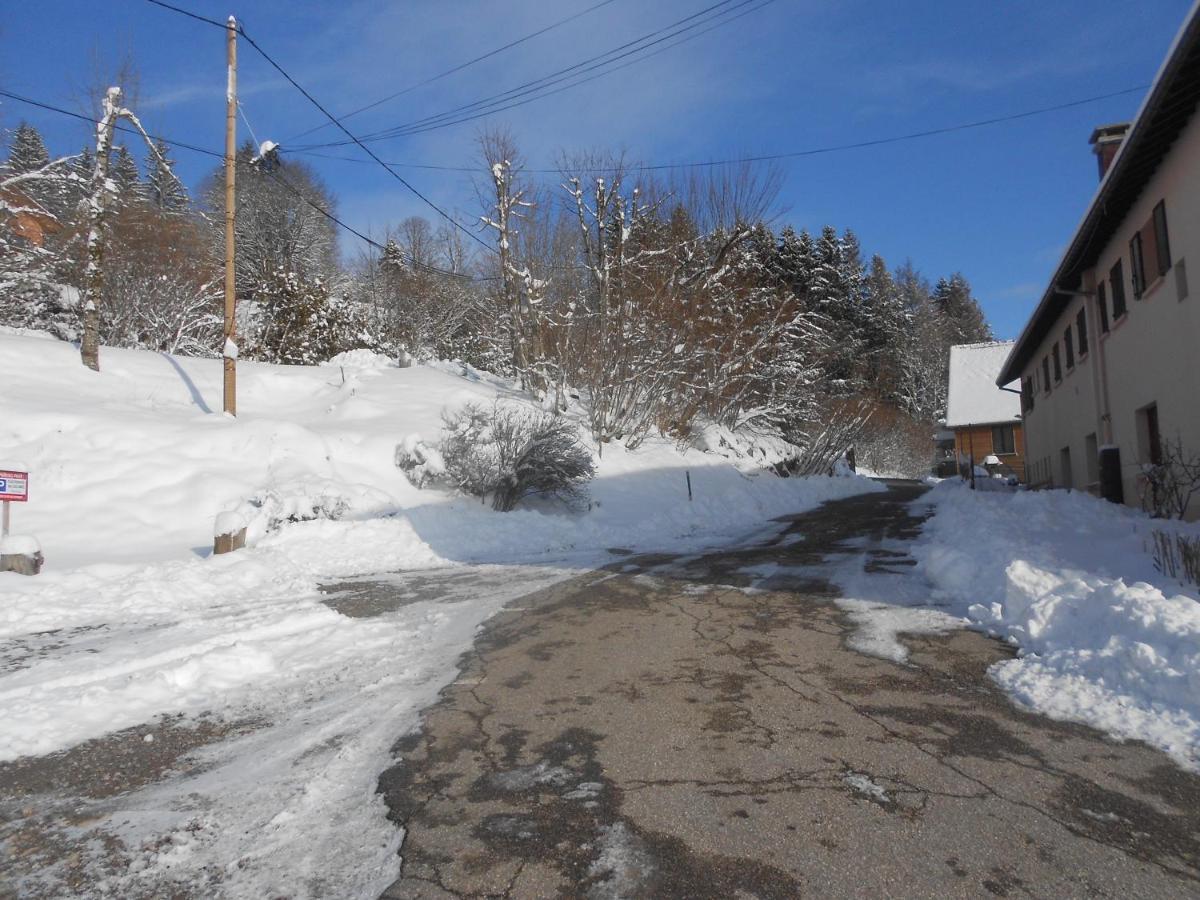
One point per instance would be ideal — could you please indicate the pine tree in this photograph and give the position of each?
(28, 151)
(164, 188)
(827, 272)
(794, 261)
(125, 177)
(885, 329)
(962, 318)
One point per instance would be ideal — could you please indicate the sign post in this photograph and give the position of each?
(14, 487)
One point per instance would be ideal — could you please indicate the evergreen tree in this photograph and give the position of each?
(127, 182)
(827, 272)
(164, 188)
(27, 152)
(885, 329)
(277, 226)
(962, 317)
(794, 261)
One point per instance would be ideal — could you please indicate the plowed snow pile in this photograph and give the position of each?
(1104, 638)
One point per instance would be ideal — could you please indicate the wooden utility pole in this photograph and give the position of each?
(229, 351)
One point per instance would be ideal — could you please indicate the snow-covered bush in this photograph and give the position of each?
(508, 453)
(419, 462)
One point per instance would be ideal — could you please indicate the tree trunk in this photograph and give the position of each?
(89, 346)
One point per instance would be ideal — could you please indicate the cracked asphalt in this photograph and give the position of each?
(676, 727)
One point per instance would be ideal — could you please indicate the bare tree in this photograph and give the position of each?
(98, 203)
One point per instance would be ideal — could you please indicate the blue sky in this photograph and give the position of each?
(998, 203)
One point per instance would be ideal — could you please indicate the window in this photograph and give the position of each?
(1149, 437)
(1116, 281)
(1069, 346)
(1162, 245)
(1102, 304)
(1057, 363)
(1027, 394)
(1003, 443)
(1064, 464)
(1137, 271)
(1081, 330)
(1046, 374)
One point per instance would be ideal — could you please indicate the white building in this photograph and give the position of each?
(1108, 363)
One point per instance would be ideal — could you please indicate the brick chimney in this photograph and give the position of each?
(1106, 141)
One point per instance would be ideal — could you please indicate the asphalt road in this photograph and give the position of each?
(657, 730)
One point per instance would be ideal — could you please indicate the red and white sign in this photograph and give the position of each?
(14, 486)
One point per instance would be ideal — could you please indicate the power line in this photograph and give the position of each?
(212, 153)
(333, 120)
(645, 41)
(815, 151)
(116, 127)
(539, 93)
(190, 15)
(434, 270)
(462, 66)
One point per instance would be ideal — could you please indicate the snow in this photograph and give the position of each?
(867, 786)
(230, 350)
(974, 398)
(19, 545)
(134, 466)
(228, 522)
(1103, 637)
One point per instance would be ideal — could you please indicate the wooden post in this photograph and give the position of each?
(971, 443)
(229, 349)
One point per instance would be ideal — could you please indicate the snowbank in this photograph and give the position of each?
(1104, 638)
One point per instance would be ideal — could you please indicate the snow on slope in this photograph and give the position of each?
(129, 469)
(1104, 638)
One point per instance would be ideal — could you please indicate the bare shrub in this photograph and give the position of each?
(508, 454)
(1167, 489)
(1176, 555)
(895, 444)
(829, 438)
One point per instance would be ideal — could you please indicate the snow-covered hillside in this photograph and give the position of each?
(133, 619)
(133, 464)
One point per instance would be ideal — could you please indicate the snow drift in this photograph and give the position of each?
(1104, 638)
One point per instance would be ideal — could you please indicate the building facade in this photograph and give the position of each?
(1108, 367)
(985, 418)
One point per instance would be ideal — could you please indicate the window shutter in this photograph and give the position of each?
(1149, 254)
(1137, 272)
(1102, 303)
(1081, 328)
(1116, 281)
(1162, 243)
(1069, 346)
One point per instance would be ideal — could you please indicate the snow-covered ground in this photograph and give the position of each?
(1103, 637)
(133, 619)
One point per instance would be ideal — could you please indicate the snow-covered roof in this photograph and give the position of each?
(974, 398)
